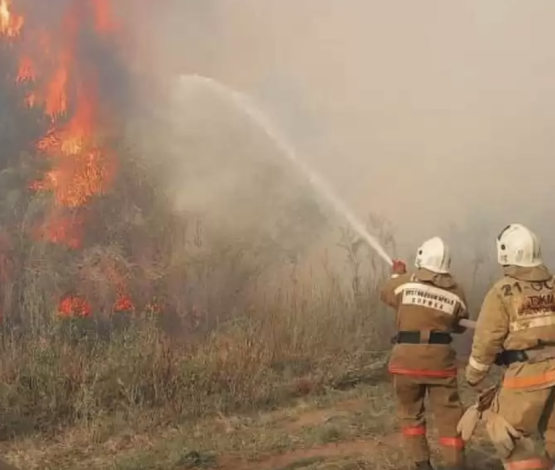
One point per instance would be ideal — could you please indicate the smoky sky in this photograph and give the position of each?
(437, 115)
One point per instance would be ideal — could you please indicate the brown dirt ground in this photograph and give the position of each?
(347, 430)
(352, 449)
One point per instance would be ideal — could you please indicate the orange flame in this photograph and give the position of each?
(103, 16)
(56, 98)
(82, 168)
(74, 305)
(63, 229)
(10, 24)
(123, 303)
(26, 71)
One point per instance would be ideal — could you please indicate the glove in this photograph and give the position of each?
(473, 414)
(399, 267)
(503, 435)
(467, 424)
(473, 376)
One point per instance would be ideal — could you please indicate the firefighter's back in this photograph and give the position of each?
(527, 296)
(429, 307)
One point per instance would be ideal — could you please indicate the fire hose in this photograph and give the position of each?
(468, 323)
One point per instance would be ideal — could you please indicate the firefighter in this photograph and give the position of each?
(429, 305)
(516, 327)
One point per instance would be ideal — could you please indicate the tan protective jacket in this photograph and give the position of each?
(425, 302)
(518, 313)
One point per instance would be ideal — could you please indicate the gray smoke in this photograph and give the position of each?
(436, 115)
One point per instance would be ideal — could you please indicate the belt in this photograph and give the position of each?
(416, 337)
(510, 356)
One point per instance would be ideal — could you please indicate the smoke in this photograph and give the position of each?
(436, 115)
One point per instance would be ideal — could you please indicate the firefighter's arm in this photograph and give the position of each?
(492, 328)
(461, 314)
(388, 294)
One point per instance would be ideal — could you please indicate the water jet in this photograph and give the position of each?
(322, 190)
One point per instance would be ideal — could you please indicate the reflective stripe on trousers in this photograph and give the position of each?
(412, 431)
(423, 372)
(528, 464)
(455, 442)
(514, 383)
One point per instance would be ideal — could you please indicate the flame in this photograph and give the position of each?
(56, 98)
(64, 229)
(74, 305)
(103, 16)
(123, 303)
(56, 82)
(10, 23)
(26, 71)
(81, 168)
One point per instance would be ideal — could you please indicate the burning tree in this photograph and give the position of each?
(70, 194)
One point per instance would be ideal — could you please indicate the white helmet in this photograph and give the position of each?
(434, 255)
(518, 246)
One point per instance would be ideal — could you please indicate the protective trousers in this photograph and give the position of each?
(529, 412)
(446, 407)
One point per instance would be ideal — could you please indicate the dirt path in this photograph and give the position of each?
(321, 416)
(353, 449)
(306, 456)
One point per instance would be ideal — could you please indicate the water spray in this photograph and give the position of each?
(320, 187)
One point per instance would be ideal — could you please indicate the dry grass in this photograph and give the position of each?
(74, 373)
